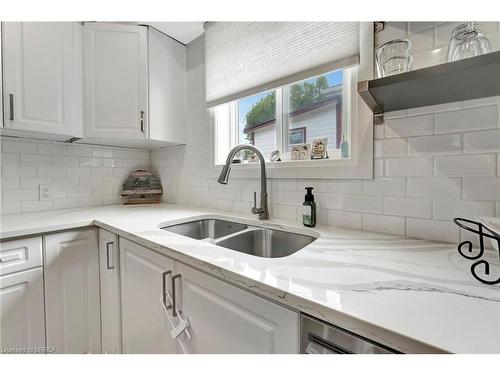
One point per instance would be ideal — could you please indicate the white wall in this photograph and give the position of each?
(431, 164)
(78, 175)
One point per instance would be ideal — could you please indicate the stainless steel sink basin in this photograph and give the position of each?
(249, 239)
(206, 228)
(266, 243)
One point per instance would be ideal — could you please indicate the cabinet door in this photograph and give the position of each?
(167, 82)
(72, 292)
(115, 80)
(43, 77)
(144, 325)
(109, 267)
(22, 323)
(226, 319)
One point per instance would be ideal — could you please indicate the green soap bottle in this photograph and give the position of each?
(309, 209)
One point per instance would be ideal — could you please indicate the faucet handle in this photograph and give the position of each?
(256, 210)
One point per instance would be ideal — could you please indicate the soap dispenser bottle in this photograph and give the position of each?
(309, 209)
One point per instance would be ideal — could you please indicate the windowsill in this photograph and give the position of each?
(292, 163)
(321, 169)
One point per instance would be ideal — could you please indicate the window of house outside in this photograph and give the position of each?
(295, 114)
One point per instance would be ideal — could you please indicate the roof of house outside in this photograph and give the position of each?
(332, 94)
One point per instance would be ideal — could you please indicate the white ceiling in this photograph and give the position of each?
(184, 32)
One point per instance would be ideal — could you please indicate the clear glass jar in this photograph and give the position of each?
(467, 41)
(394, 57)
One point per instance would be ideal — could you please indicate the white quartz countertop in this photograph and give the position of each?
(412, 295)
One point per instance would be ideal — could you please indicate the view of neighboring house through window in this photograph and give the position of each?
(257, 122)
(306, 110)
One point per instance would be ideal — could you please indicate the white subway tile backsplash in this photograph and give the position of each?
(10, 207)
(327, 200)
(434, 109)
(15, 171)
(482, 189)
(411, 167)
(10, 183)
(384, 224)
(409, 126)
(51, 149)
(450, 188)
(491, 100)
(10, 159)
(482, 141)
(411, 207)
(74, 177)
(467, 119)
(32, 160)
(16, 146)
(50, 171)
(19, 195)
(344, 219)
(390, 147)
(437, 230)
(378, 168)
(447, 209)
(232, 194)
(364, 203)
(66, 161)
(378, 131)
(344, 186)
(385, 186)
(29, 206)
(435, 144)
(466, 165)
(33, 182)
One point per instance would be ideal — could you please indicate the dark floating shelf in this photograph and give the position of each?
(476, 77)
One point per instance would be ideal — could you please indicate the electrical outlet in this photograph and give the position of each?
(44, 192)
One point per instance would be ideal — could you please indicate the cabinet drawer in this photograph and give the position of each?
(19, 255)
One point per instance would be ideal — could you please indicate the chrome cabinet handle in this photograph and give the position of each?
(108, 250)
(164, 295)
(174, 311)
(11, 107)
(142, 121)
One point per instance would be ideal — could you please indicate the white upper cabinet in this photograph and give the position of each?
(116, 80)
(134, 79)
(42, 78)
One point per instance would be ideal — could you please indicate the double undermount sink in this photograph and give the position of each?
(249, 239)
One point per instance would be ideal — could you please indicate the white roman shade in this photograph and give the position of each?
(243, 58)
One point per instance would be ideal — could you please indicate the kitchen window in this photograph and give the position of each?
(290, 115)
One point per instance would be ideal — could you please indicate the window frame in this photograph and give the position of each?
(355, 113)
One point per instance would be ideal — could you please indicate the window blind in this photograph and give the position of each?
(244, 58)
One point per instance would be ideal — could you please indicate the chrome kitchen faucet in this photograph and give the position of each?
(263, 210)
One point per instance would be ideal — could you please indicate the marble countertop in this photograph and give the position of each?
(412, 295)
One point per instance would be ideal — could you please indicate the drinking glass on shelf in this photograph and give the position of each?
(467, 41)
(394, 57)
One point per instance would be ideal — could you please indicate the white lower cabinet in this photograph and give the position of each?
(145, 328)
(22, 323)
(226, 319)
(72, 301)
(223, 318)
(109, 269)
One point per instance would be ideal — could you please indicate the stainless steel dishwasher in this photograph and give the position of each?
(318, 337)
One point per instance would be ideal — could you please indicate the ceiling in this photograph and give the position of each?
(184, 32)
